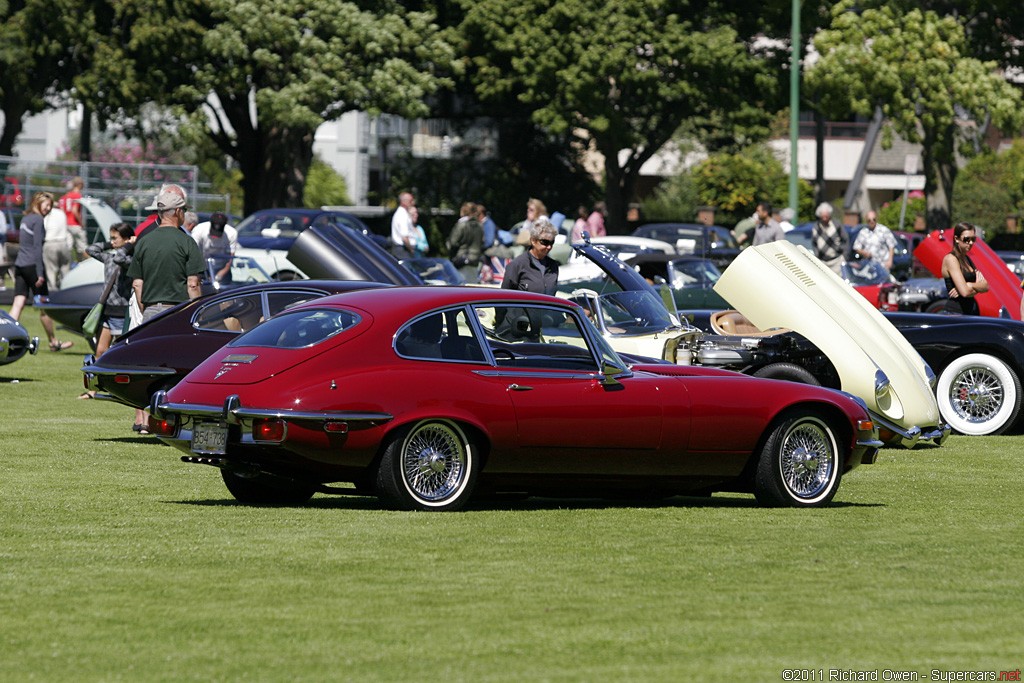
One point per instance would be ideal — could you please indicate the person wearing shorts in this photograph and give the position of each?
(29, 271)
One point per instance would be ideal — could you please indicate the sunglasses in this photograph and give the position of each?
(547, 243)
(968, 240)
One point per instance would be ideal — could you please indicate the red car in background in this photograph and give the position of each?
(11, 195)
(1002, 300)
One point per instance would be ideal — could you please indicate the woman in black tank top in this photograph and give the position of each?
(962, 279)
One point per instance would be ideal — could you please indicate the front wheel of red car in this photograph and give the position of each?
(429, 467)
(265, 489)
(800, 464)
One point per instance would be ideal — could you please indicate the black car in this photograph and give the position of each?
(707, 241)
(279, 228)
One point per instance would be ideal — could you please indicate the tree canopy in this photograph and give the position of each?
(35, 58)
(915, 65)
(624, 75)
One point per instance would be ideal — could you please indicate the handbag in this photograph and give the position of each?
(94, 318)
(91, 324)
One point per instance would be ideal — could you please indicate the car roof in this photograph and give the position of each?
(402, 303)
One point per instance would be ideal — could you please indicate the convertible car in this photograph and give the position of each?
(814, 328)
(14, 340)
(159, 353)
(871, 358)
(425, 396)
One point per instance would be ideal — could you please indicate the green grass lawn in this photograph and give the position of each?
(119, 562)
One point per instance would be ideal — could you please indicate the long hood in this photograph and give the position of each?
(782, 285)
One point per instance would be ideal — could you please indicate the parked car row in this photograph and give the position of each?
(430, 396)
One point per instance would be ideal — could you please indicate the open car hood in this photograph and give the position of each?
(1002, 300)
(339, 252)
(623, 275)
(782, 285)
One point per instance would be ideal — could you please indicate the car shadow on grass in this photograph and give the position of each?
(515, 503)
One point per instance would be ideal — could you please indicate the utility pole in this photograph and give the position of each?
(794, 111)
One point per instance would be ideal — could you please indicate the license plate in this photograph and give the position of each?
(210, 438)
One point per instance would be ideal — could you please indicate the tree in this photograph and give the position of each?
(34, 61)
(325, 187)
(990, 187)
(622, 75)
(264, 74)
(915, 66)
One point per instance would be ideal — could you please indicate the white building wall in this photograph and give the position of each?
(345, 145)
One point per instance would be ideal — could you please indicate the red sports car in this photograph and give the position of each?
(1002, 300)
(427, 395)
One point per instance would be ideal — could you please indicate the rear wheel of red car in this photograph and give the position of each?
(265, 489)
(978, 394)
(789, 372)
(800, 464)
(429, 467)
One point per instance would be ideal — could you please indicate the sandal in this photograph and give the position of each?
(138, 427)
(86, 394)
(57, 345)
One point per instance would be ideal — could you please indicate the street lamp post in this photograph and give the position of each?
(794, 109)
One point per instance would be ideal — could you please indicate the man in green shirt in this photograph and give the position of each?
(167, 263)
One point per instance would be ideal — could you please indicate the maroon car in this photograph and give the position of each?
(157, 354)
(427, 395)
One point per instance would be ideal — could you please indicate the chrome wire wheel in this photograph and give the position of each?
(807, 459)
(976, 394)
(800, 464)
(434, 461)
(979, 394)
(431, 465)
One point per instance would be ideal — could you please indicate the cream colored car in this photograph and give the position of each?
(794, 320)
(781, 285)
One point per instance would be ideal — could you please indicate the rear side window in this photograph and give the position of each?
(237, 314)
(299, 329)
(444, 335)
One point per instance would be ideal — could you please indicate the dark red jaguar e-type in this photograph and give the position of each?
(425, 395)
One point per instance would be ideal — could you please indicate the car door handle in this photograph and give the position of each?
(519, 387)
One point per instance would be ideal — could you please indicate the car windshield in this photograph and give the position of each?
(298, 329)
(866, 272)
(434, 271)
(279, 224)
(694, 273)
(244, 271)
(634, 313)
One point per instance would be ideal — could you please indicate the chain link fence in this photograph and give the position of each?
(128, 188)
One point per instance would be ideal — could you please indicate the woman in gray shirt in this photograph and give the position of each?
(29, 272)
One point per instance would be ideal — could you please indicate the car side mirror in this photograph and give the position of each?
(609, 374)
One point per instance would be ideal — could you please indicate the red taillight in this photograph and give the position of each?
(336, 427)
(122, 379)
(270, 429)
(166, 426)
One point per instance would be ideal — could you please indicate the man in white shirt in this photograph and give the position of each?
(218, 241)
(403, 230)
(876, 241)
